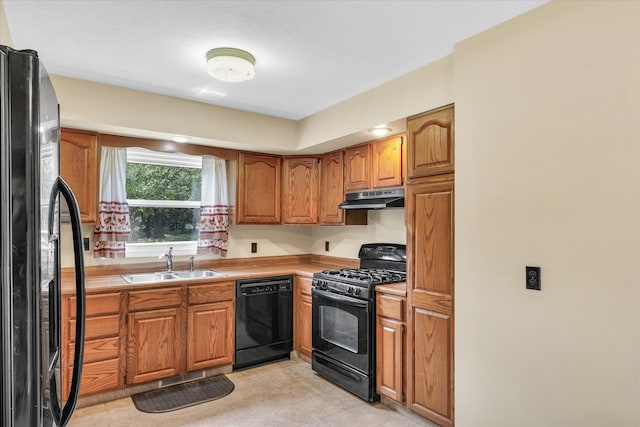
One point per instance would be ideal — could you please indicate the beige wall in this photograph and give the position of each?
(423, 89)
(5, 35)
(95, 106)
(548, 174)
(383, 226)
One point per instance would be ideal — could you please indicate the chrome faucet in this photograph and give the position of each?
(191, 263)
(169, 259)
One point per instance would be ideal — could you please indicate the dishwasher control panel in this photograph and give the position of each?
(264, 286)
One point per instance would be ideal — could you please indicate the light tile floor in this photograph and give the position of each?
(281, 394)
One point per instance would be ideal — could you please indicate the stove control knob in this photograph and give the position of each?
(350, 291)
(358, 291)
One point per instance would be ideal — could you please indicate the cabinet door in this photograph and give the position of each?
(305, 345)
(357, 168)
(430, 294)
(387, 162)
(155, 345)
(258, 196)
(430, 143)
(210, 332)
(300, 190)
(302, 313)
(78, 167)
(389, 357)
(332, 188)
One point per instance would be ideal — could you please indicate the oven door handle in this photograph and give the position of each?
(340, 298)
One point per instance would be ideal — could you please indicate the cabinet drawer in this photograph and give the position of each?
(97, 327)
(390, 306)
(97, 350)
(97, 305)
(98, 376)
(158, 298)
(212, 293)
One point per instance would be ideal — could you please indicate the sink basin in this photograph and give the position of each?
(148, 277)
(198, 274)
(162, 277)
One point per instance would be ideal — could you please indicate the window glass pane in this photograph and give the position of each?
(151, 224)
(157, 182)
(339, 327)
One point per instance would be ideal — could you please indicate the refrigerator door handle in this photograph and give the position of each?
(60, 186)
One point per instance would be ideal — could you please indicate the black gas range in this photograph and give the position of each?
(343, 307)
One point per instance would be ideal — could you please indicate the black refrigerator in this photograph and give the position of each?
(30, 298)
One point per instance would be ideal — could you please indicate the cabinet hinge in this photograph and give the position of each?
(404, 328)
(404, 398)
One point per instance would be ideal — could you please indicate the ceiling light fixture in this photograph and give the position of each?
(230, 65)
(380, 130)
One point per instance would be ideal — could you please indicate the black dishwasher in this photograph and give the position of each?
(264, 320)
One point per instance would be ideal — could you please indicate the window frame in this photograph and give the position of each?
(150, 249)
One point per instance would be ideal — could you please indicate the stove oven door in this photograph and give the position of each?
(342, 329)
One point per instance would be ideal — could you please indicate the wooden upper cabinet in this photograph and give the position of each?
(258, 189)
(332, 185)
(79, 168)
(430, 143)
(357, 169)
(387, 162)
(300, 190)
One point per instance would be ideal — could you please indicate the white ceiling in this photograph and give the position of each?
(310, 55)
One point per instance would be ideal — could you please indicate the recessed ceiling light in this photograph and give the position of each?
(230, 65)
(380, 131)
(180, 139)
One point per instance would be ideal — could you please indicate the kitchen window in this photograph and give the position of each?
(163, 193)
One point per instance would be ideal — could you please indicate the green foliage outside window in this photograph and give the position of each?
(155, 182)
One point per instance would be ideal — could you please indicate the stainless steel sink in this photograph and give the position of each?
(175, 275)
(198, 274)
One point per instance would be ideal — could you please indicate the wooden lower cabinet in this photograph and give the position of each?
(302, 313)
(155, 345)
(210, 326)
(104, 349)
(162, 345)
(390, 345)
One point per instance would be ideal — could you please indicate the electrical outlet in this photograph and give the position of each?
(254, 247)
(533, 278)
(326, 246)
(85, 243)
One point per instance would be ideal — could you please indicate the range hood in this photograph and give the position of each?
(377, 199)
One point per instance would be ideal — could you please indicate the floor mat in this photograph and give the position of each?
(183, 395)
